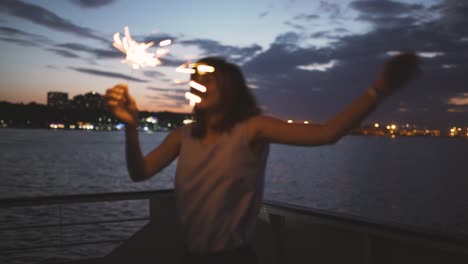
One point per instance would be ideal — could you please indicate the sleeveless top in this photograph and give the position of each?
(219, 189)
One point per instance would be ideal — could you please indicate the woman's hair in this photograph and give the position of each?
(237, 102)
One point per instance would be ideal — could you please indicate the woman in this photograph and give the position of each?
(222, 156)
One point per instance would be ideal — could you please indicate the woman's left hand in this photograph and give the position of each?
(396, 72)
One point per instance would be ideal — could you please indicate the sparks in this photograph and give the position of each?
(194, 99)
(164, 43)
(136, 53)
(197, 86)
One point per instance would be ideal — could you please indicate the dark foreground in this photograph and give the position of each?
(284, 234)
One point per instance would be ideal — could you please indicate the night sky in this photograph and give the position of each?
(304, 60)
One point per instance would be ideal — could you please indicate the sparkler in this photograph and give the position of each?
(201, 69)
(136, 53)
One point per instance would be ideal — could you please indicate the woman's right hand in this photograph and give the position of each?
(121, 104)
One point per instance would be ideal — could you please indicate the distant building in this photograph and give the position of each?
(89, 101)
(57, 99)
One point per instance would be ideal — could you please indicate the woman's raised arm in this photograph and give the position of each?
(396, 72)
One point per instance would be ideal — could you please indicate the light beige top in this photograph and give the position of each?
(219, 189)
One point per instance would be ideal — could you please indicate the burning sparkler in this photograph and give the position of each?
(136, 53)
(201, 69)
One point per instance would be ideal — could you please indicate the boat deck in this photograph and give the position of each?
(284, 234)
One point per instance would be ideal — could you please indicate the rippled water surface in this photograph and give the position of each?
(420, 182)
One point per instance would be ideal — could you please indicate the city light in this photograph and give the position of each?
(151, 120)
(376, 125)
(306, 122)
(290, 121)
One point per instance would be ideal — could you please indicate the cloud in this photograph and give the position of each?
(306, 17)
(332, 9)
(107, 74)
(384, 7)
(263, 14)
(22, 42)
(110, 53)
(41, 16)
(286, 69)
(422, 54)
(295, 26)
(215, 48)
(92, 3)
(154, 74)
(319, 66)
(9, 34)
(388, 13)
(460, 100)
(64, 53)
(169, 94)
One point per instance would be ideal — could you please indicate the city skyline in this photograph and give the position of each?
(303, 60)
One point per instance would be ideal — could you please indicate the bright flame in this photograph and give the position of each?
(162, 52)
(197, 86)
(194, 99)
(177, 81)
(137, 56)
(165, 42)
(185, 68)
(205, 68)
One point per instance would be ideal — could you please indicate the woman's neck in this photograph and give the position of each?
(212, 120)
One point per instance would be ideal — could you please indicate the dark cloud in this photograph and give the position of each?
(263, 14)
(156, 75)
(18, 32)
(92, 3)
(215, 48)
(64, 53)
(384, 7)
(388, 13)
(168, 90)
(332, 9)
(306, 17)
(14, 35)
(287, 90)
(22, 42)
(156, 38)
(169, 94)
(294, 25)
(108, 74)
(98, 53)
(176, 97)
(44, 17)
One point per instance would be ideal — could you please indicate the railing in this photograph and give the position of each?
(60, 202)
(285, 234)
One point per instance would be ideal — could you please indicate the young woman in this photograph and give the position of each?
(222, 155)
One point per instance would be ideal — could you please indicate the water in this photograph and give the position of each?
(419, 182)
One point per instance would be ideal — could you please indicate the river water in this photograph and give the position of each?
(418, 182)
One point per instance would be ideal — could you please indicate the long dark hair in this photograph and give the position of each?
(238, 103)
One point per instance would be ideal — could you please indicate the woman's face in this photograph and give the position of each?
(210, 100)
